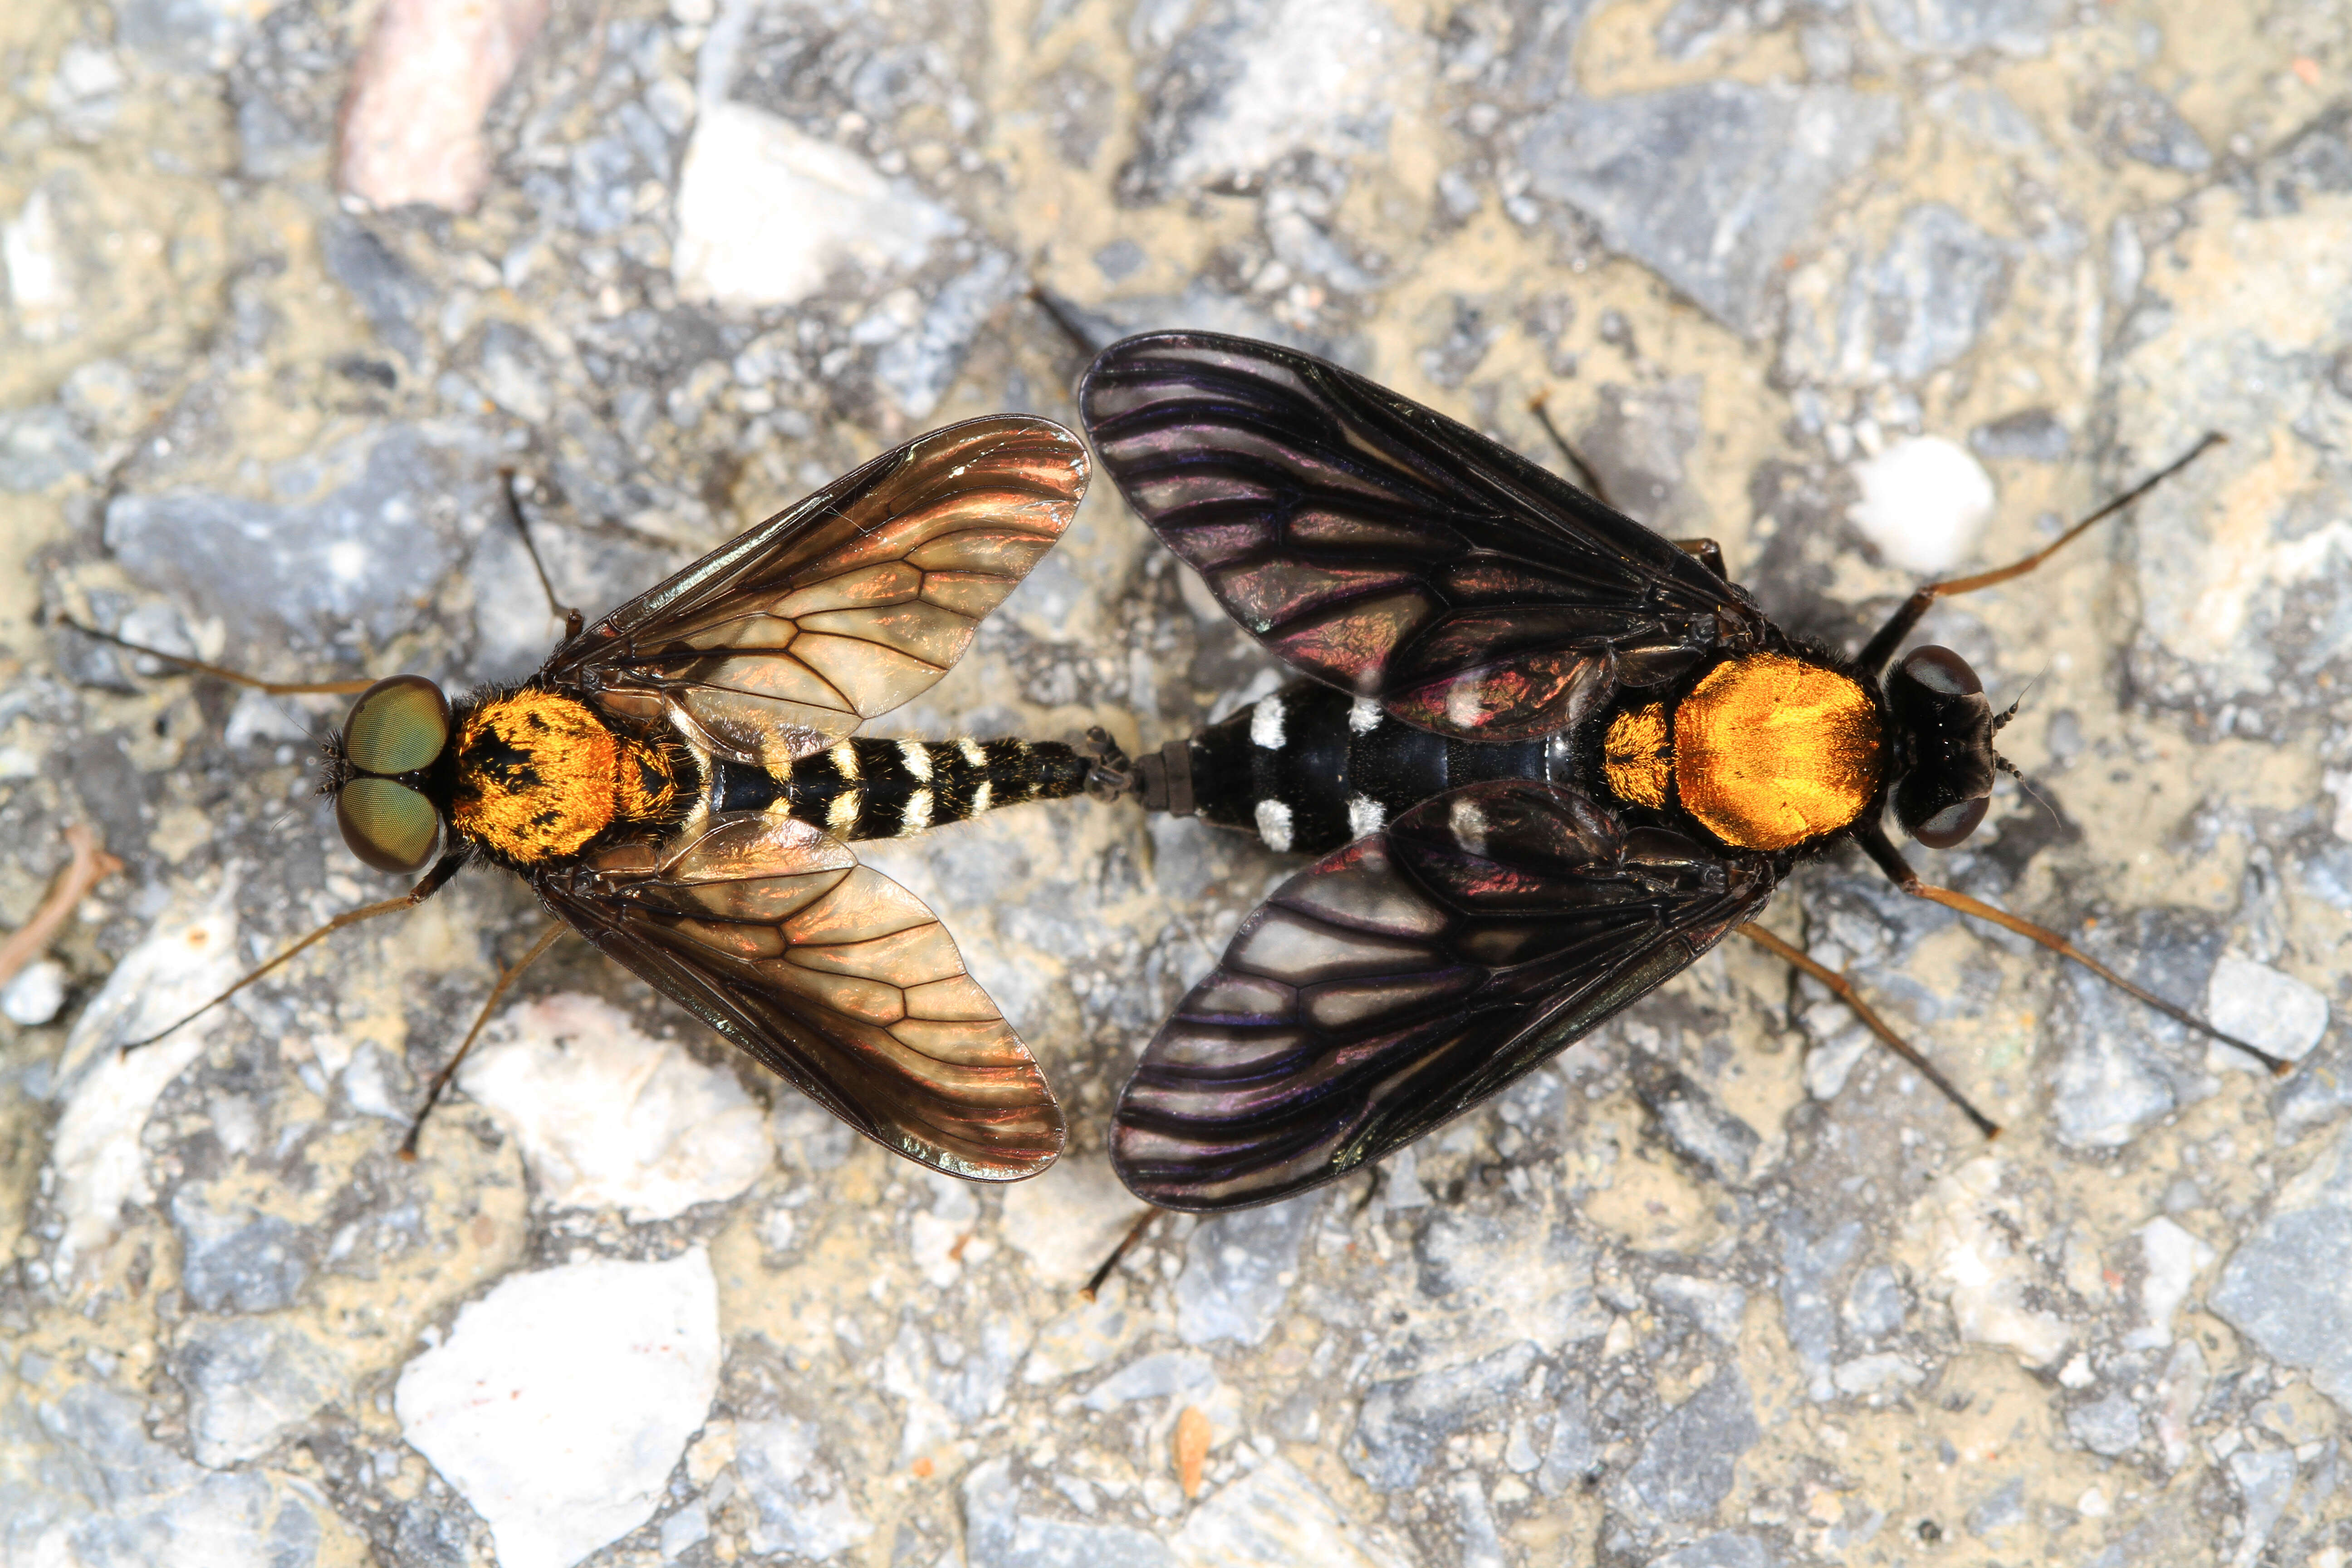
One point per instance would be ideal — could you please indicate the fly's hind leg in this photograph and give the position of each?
(1709, 553)
(449, 1069)
(1842, 989)
(1588, 480)
(1126, 1244)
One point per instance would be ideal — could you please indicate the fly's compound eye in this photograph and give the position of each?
(1939, 669)
(1952, 824)
(386, 823)
(397, 726)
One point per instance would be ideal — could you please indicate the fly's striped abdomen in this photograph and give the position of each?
(1310, 768)
(890, 789)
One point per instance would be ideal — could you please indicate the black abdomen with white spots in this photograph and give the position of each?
(893, 789)
(1310, 768)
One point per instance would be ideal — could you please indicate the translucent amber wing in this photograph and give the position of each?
(832, 975)
(1395, 983)
(1380, 547)
(846, 606)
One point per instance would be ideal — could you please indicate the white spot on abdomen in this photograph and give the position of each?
(1265, 723)
(1365, 716)
(1365, 816)
(1273, 825)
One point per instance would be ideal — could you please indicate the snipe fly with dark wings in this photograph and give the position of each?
(1547, 756)
(680, 783)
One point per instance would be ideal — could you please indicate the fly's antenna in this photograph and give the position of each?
(2013, 771)
(2001, 718)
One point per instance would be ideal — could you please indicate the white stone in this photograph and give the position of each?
(2265, 1008)
(2175, 1257)
(1272, 1518)
(95, 1153)
(1924, 503)
(1973, 1238)
(1295, 89)
(765, 211)
(561, 1401)
(34, 996)
(608, 1117)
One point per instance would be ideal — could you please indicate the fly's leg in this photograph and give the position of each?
(1898, 870)
(219, 672)
(509, 486)
(1879, 651)
(433, 882)
(1587, 478)
(1843, 988)
(1126, 1244)
(449, 1069)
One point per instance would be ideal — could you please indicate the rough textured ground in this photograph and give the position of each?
(1724, 1288)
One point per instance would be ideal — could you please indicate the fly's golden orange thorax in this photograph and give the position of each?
(1770, 751)
(1767, 751)
(539, 775)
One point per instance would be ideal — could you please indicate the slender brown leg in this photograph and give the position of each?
(449, 1069)
(572, 618)
(235, 678)
(1843, 990)
(1134, 1234)
(1586, 478)
(433, 883)
(1881, 650)
(1898, 870)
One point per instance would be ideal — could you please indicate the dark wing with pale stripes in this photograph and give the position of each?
(843, 606)
(831, 974)
(1398, 982)
(1379, 546)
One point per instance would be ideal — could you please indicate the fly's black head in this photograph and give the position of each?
(379, 768)
(1946, 724)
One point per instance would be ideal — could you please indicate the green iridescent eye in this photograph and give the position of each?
(397, 726)
(386, 823)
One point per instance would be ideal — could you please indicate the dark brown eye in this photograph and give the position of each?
(398, 725)
(1936, 669)
(1952, 824)
(387, 825)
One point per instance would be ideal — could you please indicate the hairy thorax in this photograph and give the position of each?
(539, 777)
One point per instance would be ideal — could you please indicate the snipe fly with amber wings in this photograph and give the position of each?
(681, 780)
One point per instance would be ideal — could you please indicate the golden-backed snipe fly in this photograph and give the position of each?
(1547, 756)
(679, 783)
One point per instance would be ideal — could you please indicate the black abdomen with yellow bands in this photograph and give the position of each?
(889, 789)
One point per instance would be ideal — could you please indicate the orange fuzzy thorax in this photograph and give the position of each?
(539, 777)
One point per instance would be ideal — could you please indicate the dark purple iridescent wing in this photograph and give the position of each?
(1398, 982)
(843, 607)
(833, 976)
(1379, 546)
